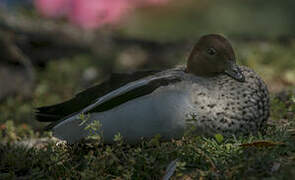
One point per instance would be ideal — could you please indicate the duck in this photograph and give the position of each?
(220, 96)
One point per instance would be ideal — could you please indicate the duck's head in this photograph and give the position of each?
(213, 55)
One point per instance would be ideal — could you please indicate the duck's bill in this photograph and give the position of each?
(235, 72)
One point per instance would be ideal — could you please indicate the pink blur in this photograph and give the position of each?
(90, 14)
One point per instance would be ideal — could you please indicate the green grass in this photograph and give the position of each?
(269, 155)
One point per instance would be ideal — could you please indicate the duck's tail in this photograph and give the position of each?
(49, 113)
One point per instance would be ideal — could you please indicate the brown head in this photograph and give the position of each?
(213, 55)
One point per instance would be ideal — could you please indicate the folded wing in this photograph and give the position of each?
(85, 98)
(119, 96)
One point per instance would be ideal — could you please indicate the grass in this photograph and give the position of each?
(269, 155)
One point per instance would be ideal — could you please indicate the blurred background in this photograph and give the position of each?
(52, 49)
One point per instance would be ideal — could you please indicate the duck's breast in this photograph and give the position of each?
(227, 106)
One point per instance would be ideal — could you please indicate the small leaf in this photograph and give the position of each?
(262, 144)
(219, 138)
(118, 137)
(155, 141)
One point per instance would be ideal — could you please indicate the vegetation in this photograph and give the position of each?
(26, 152)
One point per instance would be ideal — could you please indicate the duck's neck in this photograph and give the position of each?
(199, 69)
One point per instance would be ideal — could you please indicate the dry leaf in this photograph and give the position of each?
(262, 144)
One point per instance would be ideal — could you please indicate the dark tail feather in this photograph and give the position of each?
(46, 114)
(46, 117)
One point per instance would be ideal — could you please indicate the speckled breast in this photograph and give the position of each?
(226, 106)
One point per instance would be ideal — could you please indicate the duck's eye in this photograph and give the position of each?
(211, 51)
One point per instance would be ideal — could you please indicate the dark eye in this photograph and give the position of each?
(211, 51)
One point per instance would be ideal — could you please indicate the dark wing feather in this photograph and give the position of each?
(86, 97)
(127, 96)
(134, 93)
